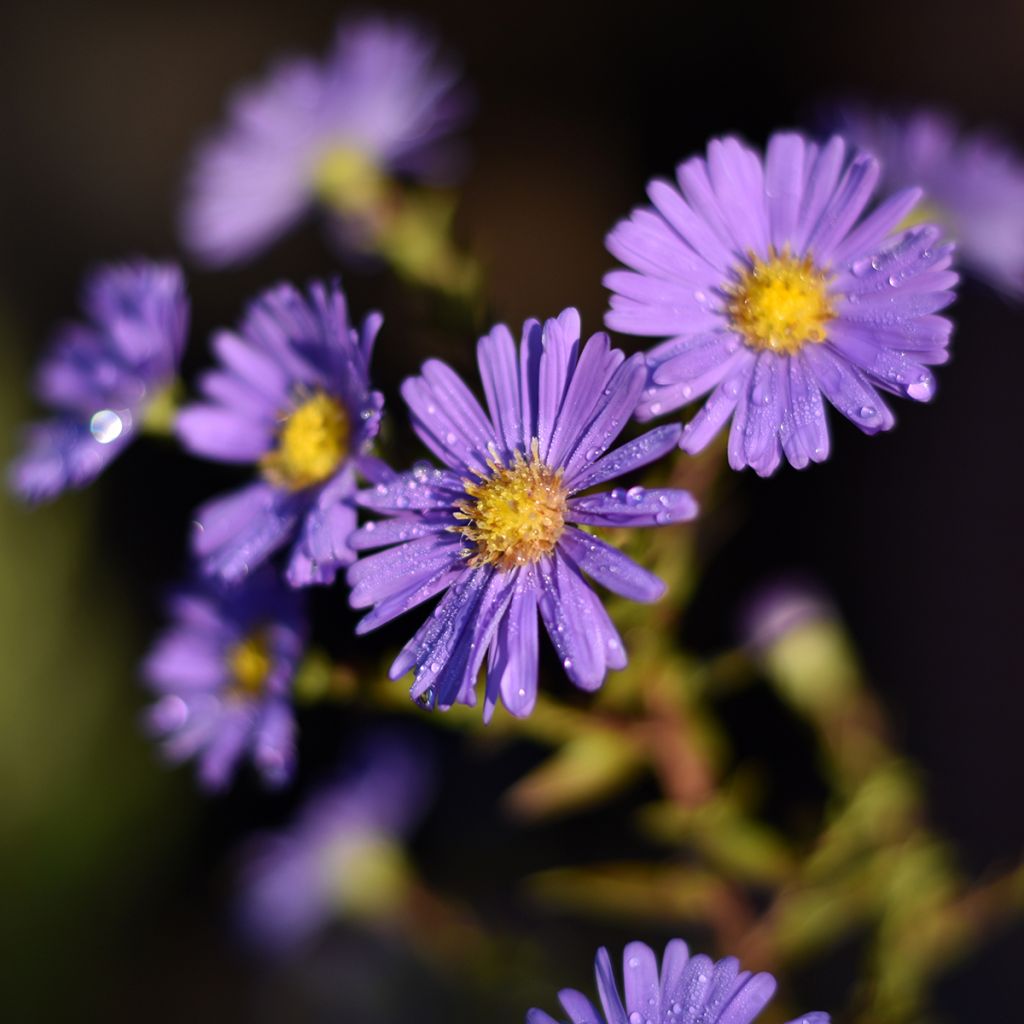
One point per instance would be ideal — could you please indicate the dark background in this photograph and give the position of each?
(918, 533)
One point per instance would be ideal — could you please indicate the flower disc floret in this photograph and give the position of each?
(516, 514)
(780, 304)
(311, 444)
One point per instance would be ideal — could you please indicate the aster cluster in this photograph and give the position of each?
(773, 285)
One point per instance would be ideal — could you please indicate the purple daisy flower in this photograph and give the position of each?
(383, 102)
(292, 396)
(688, 990)
(102, 377)
(973, 184)
(343, 854)
(492, 528)
(777, 293)
(223, 675)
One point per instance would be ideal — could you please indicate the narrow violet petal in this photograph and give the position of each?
(630, 456)
(637, 506)
(640, 977)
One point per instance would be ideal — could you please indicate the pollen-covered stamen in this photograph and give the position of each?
(780, 304)
(515, 514)
(349, 181)
(311, 444)
(249, 664)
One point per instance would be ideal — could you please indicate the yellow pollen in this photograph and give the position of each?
(516, 514)
(249, 664)
(311, 443)
(348, 180)
(780, 304)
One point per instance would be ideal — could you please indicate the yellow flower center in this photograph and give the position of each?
(249, 664)
(348, 181)
(780, 304)
(311, 443)
(516, 514)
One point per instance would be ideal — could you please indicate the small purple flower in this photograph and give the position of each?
(223, 675)
(292, 396)
(774, 610)
(382, 102)
(492, 529)
(973, 184)
(688, 990)
(777, 293)
(343, 854)
(101, 377)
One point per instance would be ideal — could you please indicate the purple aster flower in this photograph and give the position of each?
(687, 990)
(382, 103)
(777, 293)
(493, 528)
(343, 855)
(293, 396)
(223, 675)
(973, 184)
(103, 376)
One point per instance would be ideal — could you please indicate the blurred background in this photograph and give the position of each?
(114, 872)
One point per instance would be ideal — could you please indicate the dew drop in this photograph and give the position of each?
(106, 426)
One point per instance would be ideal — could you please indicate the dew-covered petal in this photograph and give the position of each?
(576, 622)
(610, 567)
(514, 652)
(620, 398)
(422, 488)
(748, 1001)
(641, 984)
(765, 413)
(712, 416)
(878, 225)
(637, 506)
(235, 533)
(848, 389)
(844, 207)
(643, 450)
(415, 593)
(382, 533)
(380, 575)
(499, 373)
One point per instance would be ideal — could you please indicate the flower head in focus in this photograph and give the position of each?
(382, 103)
(687, 990)
(104, 376)
(777, 293)
(293, 397)
(222, 673)
(973, 184)
(343, 855)
(497, 529)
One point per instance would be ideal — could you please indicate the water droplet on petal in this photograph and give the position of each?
(106, 426)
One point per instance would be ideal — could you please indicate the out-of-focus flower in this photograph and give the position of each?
(223, 675)
(973, 184)
(777, 293)
(105, 377)
(382, 103)
(776, 609)
(292, 396)
(343, 855)
(688, 990)
(492, 528)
